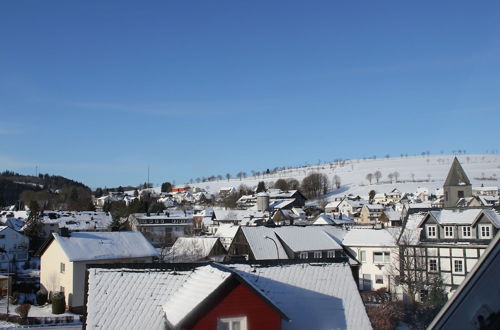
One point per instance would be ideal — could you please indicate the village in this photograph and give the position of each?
(237, 257)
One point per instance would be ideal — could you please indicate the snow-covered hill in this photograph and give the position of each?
(414, 172)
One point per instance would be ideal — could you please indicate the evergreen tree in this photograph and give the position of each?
(261, 187)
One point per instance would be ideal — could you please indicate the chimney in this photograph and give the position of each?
(64, 232)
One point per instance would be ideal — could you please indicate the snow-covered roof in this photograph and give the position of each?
(308, 296)
(369, 237)
(84, 246)
(226, 230)
(306, 238)
(196, 288)
(264, 248)
(191, 248)
(456, 216)
(313, 296)
(78, 220)
(130, 298)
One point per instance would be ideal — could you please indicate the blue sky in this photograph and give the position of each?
(99, 90)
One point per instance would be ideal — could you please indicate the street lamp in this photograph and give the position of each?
(8, 278)
(275, 244)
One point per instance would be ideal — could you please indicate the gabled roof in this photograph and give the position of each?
(311, 238)
(307, 296)
(456, 175)
(264, 248)
(192, 248)
(84, 246)
(204, 285)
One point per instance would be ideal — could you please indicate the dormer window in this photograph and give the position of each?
(431, 231)
(448, 231)
(484, 231)
(466, 232)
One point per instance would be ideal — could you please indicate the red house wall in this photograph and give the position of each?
(241, 301)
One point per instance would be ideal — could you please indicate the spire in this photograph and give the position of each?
(456, 175)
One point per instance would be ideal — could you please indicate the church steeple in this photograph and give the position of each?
(456, 175)
(457, 185)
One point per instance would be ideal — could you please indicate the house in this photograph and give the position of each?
(485, 191)
(162, 229)
(376, 250)
(13, 246)
(229, 296)
(391, 217)
(289, 242)
(451, 241)
(294, 197)
(370, 213)
(65, 256)
(457, 185)
(347, 206)
(225, 233)
(394, 196)
(189, 249)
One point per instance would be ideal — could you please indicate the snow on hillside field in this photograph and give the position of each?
(414, 172)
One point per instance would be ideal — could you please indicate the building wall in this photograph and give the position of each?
(51, 277)
(369, 267)
(241, 302)
(452, 192)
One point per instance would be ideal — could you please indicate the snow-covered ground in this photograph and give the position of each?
(414, 172)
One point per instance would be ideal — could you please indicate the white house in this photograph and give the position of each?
(65, 256)
(15, 246)
(376, 249)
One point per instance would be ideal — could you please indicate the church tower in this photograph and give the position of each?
(456, 186)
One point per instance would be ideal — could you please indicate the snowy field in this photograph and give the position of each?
(414, 172)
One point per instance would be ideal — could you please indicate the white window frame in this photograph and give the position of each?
(229, 321)
(466, 230)
(433, 229)
(303, 255)
(386, 257)
(62, 268)
(486, 228)
(362, 256)
(454, 266)
(318, 254)
(446, 229)
(330, 254)
(435, 260)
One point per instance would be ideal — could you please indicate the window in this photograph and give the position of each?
(317, 254)
(232, 323)
(62, 268)
(458, 266)
(379, 279)
(460, 194)
(381, 257)
(448, 232)
(433, 265)
(431, 231)
(303, 255)
(363, 256)
(330, 254)
(485, 231)
(466, 231)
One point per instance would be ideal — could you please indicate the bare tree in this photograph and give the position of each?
(413, 177)
(336, 181)
(390, 176)
(377, 175)
(369, 177)
(314, 185)
(239, 175)
(228, 176)
(396, 175)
